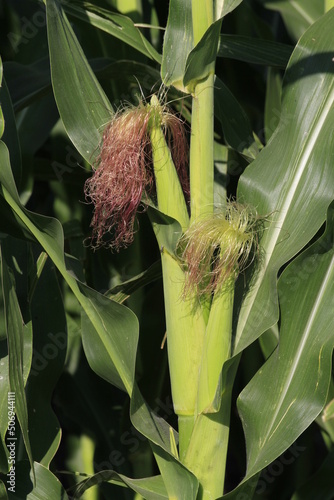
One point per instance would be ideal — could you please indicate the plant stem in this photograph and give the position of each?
(216, 349)
(185, 326)
(206, 453)
(185, 426)
(202, 138)
(201, 150)
(169, 191)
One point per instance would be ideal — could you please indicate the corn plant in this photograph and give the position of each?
(166, 237)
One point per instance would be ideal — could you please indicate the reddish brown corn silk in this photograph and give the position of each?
(124, 173)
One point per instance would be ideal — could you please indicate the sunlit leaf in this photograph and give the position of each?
(224, 7)
(201, 59)
(291, 388)
(290, 180)
(47, 485)
(178, 42)
(83, 105)
(298, 15)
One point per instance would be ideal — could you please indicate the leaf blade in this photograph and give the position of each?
(291, 176)
(83, 105)
(291, 388)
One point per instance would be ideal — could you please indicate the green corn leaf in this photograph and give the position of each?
(201, 60)
(50, 344)
(47, 484)
(27, 83)
(254, 50)
(117, 25)
(297, 15)
(178, 43)
(83, 105)
(2, 122)
(236, 127)
(290, 179)
(179, 482)
(151, 488)
(175, 482)
(291, 388)
(17, 332)
(183, 64)
(273, 103)
(110, 330)
(121, 292)
(224, 7)
(320, 485)
(118, 341)
(10, 136)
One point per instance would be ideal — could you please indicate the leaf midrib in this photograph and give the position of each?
(302, 159)
(328, 277)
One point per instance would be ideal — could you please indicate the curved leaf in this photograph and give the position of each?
(298, 15)
(83, 105)
(50, 342)
(112, 325)
(201, 59)
(291, 179)
(17, 331)
(10, 136)
(115, 24)
(291, 388)
(151, 488)
(236, 126)
(118, 341)
(175, 482)
(179, 482)
(121, 292)
(254, 50)
(224, 7)
(320, 486)
(182, 63)
(178, 42)
(2, 122)
(27, 83)
(47, 485)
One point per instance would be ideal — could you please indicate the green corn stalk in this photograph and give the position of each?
(185, 330)
(198, 338)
